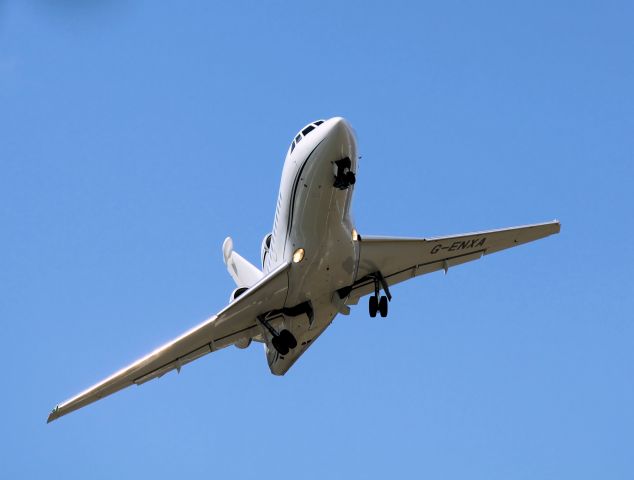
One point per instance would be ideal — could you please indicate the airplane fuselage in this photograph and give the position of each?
(314, 215)
(313, 229)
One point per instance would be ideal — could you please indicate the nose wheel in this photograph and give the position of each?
(379, 303)
(344, 177)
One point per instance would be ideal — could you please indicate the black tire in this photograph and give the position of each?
(351, 178)
(288, 338)
(383, 306)
(373, 306)
(280, 345)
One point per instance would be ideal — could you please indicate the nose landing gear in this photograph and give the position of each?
(344, 177)
(378, 303)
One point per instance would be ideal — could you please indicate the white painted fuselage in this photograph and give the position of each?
(314, 215)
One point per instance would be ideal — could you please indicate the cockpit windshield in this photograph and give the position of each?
(305, 131)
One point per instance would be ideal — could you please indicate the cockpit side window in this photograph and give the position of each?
(309, 128)
(296, 141)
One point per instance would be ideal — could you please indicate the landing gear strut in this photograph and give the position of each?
(283, 341)
(378, 303)
(344, 177)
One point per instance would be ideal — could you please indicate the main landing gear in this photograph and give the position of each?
(283, 341)
(378, 303)
(344, 177)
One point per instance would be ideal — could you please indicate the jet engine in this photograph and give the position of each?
(266, 245)
(243, 343)
(236, 293)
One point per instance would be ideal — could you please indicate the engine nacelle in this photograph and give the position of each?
(243, 343)
(236, 293)
(266, 246)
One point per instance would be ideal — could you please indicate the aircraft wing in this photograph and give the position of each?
(399, 259)
(234, 322)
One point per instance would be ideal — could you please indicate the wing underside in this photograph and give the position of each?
(399, 259)
(235, 322)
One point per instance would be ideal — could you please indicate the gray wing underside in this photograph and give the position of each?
(234, 322)
(399, 259)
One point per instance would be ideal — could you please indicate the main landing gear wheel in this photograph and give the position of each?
(288, 339)
(283, 341)
(351, 178)
(378, 303)
(279, 345)
(373, 306)
(383, 306)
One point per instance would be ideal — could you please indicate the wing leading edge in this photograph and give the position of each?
(234, 322)
(399, 259)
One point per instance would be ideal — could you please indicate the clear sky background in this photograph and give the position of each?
(134, 136)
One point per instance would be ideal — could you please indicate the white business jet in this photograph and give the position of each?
(314, 266)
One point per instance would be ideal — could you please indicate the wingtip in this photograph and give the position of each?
(53, 415)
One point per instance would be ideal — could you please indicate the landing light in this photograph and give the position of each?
(355, 235)
(298, 256)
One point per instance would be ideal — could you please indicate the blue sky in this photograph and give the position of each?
(134, 136)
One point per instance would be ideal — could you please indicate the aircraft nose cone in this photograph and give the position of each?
(340, 141)
(339, 125)
(339, 131)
